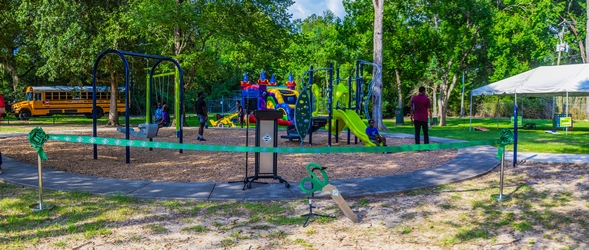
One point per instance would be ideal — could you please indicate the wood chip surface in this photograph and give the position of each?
(211, 166)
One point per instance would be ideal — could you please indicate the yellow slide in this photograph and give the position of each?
(351, 119)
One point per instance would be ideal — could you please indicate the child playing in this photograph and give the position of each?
(374, 136)
(165, 121)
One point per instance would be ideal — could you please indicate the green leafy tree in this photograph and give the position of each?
(460, 27)
(70, 34)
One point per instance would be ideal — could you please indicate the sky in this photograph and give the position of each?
(301, 9)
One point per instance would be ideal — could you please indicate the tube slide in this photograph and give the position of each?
(351, 119)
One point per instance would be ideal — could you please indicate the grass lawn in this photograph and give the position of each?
(548, 211)
(529, 140)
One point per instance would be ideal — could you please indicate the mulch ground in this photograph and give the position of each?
(211, 166)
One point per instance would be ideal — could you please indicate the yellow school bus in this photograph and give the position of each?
(48, 100)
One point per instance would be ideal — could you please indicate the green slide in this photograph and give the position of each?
(351, 119)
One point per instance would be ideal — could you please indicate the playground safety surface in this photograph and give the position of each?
(468, 163)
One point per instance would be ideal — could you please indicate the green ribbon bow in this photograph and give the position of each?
(506, 138)
(317, 183)
(37, 138)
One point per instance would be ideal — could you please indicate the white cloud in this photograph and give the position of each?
(337, 7)
(301, 9)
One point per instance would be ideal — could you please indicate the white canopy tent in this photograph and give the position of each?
(563, 80)
(542, 81)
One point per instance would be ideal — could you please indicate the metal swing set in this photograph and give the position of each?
(147, 129)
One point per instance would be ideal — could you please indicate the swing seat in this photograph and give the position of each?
(145, 130)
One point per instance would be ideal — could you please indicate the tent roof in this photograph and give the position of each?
(542, 81)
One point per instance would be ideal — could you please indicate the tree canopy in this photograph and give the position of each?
(424, 43)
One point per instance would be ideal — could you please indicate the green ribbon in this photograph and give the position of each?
(506, 138)
(243, 149)
(37, 138)
(317, 183)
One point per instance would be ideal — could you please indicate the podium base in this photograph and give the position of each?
(500, 197)
(38, 207)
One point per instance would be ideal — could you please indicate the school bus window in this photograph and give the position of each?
(62, 95)
(37, 96)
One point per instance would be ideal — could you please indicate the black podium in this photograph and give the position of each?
(266, 135)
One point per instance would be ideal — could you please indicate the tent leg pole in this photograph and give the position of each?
(470, 129)
(567, 113)
(515, 131)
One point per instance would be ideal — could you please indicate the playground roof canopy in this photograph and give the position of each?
(542, 81)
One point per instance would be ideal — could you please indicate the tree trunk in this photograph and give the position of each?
(587, 108)
(400, 101)
(377, 58)
(177, 52)
(447, 90)
(440, 104)
(587, 36)
(7, 66)
(435, 101)
(113, 114)
(587, 55)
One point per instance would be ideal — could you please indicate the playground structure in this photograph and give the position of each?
(343, 111)
(347, 110)
(224, 121)
(146, 129)
(154, 87)
(302, 108)
(267, 95)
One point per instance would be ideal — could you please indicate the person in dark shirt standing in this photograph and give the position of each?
(240, 113)
(420, 111)
(201, 112)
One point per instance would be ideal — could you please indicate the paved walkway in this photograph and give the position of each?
(469, 163)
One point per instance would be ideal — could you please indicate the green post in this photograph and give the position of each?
(147, 99)
(399, 116)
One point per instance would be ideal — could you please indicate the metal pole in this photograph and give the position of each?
(40, 172)
(501, 197)
(515, 131)
(330, 103)
(470, 129)
(567, 113)
(311, 104)
(41, 206)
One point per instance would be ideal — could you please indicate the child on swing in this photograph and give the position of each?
(165, 120)
(158, 113)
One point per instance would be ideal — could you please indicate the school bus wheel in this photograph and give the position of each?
(24, 115)
(99, 113)
(220, 125)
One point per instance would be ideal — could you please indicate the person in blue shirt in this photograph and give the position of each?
(158, 113)
(373, 134)
(165, 120)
